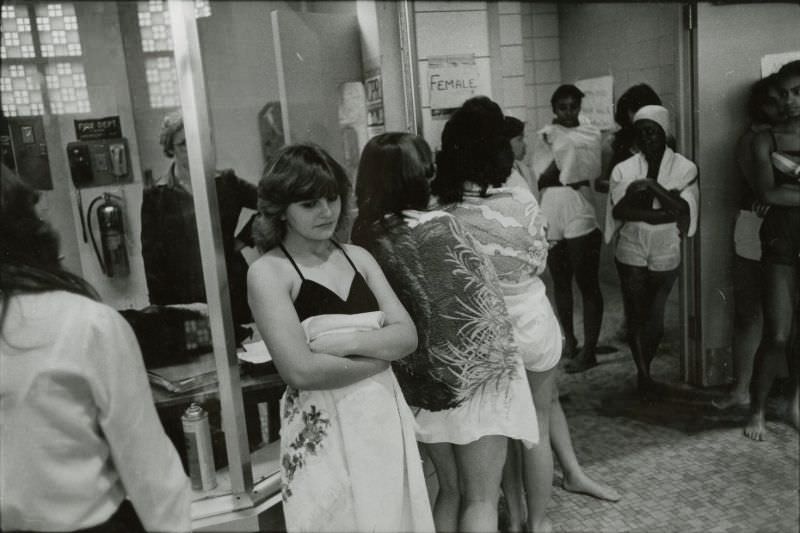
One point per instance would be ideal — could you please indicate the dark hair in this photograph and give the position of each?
(632, 100)
(299, 172)
(29, 260)
(513, 127)
(474, 149)
(566, 91)
(792, 68)
(393, 175)
(759, 96)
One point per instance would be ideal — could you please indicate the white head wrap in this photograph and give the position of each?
(656, 113)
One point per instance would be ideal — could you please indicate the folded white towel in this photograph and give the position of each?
(319, 325)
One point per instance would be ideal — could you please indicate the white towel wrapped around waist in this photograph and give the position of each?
(319, 325)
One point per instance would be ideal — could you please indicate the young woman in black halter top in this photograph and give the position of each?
(349, 456)
(777, 164)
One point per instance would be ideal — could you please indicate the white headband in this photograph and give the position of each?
(656, 113)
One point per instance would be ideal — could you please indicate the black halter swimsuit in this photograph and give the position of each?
(316, 299)
(780, 231)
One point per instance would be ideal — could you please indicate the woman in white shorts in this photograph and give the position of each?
(510, 230)
(652, 205)
(765, 111)
(565, 186)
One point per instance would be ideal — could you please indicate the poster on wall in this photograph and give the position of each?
(771, 63)
(598, 102)
(376, 123)
(451, 81)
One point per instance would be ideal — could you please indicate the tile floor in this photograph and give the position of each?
(681, 465)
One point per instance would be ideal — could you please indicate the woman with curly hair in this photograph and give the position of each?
(333, 324)
(82, 445)
(465, 381)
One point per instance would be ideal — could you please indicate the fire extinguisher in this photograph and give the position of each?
(114, 259)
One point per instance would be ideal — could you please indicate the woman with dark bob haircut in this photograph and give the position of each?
(349, 459)
(465, 381)
(509, 229)
(82, 446)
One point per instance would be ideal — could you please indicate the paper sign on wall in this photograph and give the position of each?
(771, 63)
(451, 81)
(598, 102)
(375, 113)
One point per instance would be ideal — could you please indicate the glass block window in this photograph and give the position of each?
(20, 87)
(162, 81)
(17, 40)
(33, 79)
(57, 25)
(202, 8)
(66, 88)
(154, 26)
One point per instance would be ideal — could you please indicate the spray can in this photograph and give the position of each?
(197, 435)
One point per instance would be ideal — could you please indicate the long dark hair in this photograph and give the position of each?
(393, 175)
(760, 96)
(29, 248)
(474, 149)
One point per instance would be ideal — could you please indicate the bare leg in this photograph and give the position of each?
(584, 254)
(448, 499)
(575, 479)
(780, 284)
(633, 284)
(538, 460)
(512, 486)
(659, 285)
(793, 412)
(480, 470)
(561, 272)
(746, 330)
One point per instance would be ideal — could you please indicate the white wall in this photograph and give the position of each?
(731, 39)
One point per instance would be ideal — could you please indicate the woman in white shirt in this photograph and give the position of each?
(652, 205)
(82, 446)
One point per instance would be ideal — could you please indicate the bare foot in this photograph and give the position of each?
(755, 428)
(586, 485)
(734, 399)
(794, 412)
(544, 526)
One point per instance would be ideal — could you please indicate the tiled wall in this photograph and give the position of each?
(512, 63)
(516, 45)
(542, 62)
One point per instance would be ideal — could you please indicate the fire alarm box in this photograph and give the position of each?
(99, 162)
(24, 150)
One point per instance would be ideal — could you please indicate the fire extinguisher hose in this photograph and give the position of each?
(91, 234)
